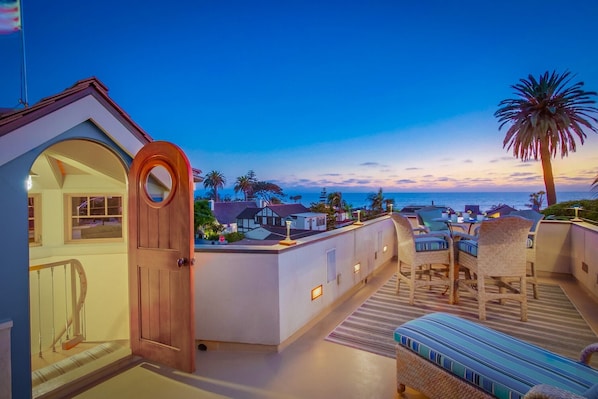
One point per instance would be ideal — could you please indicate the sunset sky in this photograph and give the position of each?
(348, 95)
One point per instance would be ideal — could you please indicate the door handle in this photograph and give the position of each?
(185, 262)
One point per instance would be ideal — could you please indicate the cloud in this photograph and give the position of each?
(413, 168)
(370, 164)
(501, 159)
(405, 181)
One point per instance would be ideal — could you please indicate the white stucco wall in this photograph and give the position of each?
(264, 298)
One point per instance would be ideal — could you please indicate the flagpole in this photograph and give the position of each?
(23, 100)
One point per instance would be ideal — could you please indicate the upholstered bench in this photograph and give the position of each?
(444, 356)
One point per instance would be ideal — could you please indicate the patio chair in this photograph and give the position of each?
(496, 257)
(536, 218)
(422, 254)
(426, 216)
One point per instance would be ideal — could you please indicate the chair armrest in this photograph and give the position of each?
(458, 226)
(457, 234)
(446, 236)
(544, 391)
(587, 352)
(421, 230)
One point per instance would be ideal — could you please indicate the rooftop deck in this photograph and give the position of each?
(311, 367)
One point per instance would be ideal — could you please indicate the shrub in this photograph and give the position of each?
(232, 237)
(563, 211)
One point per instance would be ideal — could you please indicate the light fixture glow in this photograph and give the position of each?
(385, 248)
(359, 222)
(356, 268)
(317, 292)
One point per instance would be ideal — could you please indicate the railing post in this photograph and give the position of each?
(76, 319)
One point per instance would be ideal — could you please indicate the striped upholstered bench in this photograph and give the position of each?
(444, 356)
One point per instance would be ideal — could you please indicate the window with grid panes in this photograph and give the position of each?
(95, 217)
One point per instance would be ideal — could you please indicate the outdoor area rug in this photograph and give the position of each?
(553, 321)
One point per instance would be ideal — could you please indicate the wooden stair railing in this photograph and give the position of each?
(71, 269)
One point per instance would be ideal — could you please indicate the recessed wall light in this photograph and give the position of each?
(317, 292)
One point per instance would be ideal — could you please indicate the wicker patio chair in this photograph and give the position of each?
(423, 255)
(497, 257)
(426, 216)
(536, 218)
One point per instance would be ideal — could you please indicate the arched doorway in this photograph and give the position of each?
(79, 307)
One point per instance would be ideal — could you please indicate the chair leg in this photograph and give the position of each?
(412, 286)
(398, 287)
(533, 279)
(481, 297)
(523, 289)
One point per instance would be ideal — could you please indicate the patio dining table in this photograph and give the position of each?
(470, 222)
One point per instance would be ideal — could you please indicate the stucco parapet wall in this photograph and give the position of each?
(279, 248)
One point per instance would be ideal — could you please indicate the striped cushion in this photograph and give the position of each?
(430, 244)
(469, 246)
(495, 362)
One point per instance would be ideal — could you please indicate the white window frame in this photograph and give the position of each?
(36, 218)
(68, 200)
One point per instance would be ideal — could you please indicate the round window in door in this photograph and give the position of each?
(158, 183)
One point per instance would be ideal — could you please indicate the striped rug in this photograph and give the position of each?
(553, 321)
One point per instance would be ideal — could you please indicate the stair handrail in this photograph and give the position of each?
(78, 267)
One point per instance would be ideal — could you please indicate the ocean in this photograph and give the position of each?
(454, 200)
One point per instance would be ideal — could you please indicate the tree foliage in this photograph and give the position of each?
(320, 207)
(202, 214)
(214, 180)
(547, 118)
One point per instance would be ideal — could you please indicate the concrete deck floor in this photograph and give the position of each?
(311, 367)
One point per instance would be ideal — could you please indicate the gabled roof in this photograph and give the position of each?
(86, 100)
(227, 212)
(91, 86)
(284, 210)
(248, 213)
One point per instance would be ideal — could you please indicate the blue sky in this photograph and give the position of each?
(340, 94)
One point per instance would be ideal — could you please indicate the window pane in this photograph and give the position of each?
(96, 217)
(79, 206)
(96, 206)
(114, 206)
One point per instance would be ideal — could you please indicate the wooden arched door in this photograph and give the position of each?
(160, 218)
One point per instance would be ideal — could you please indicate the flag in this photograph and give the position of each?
(10, 16)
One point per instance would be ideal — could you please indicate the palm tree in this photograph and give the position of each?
(544, 120)
(377, 199)
(244, 185)
(335, 199)
(214, 180)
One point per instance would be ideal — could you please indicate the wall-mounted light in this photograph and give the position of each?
(317, 292)
(385, 248)
(29, 181)
(356, 267)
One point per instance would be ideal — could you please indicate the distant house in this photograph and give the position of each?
(246, 220)
(299, 215)
(309, 221)
(500, 210)
(226, 213)
(276, 233)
